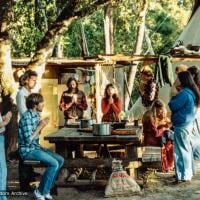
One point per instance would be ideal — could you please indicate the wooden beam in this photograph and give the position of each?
(98, 93)
(151, 58)
(56, 62)
(83, 184)
(100, 162)
(104, 60)
(123, 58)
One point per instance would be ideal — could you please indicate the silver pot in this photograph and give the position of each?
(101, 129)
(87, 123)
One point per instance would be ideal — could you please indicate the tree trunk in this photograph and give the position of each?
(196, 4)
(66, 17)
(149, 44)
(108, 29)
(6, 75)
(58, 49)
(107, 73)
(137, 51)
(84, 45)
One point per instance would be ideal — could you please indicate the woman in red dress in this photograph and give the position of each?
(156, 129)
(111, 104)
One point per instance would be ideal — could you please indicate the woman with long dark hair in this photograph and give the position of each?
(183, 106)
(111, 104)
(73, 101)
(195, 72)
(195, 137)
(73, 104)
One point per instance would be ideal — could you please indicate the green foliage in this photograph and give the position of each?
(163, 30)
(72, 41)
(93, 33)
(165, 20)
(124, 30)
(29, 25)
(24, 33)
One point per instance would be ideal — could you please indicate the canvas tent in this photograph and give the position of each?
(191, 33)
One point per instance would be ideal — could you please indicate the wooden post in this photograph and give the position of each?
(131, 151)
(61, 148)
(98, 93)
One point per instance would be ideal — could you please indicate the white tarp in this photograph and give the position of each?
(191, 33)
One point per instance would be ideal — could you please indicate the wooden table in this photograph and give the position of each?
(66, 136)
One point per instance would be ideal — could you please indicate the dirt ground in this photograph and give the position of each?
(155, 186)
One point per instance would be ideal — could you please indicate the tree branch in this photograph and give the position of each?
(66, 17)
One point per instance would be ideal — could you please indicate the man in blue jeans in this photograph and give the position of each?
(30, 126)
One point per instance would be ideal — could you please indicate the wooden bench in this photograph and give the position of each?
(129, 143)
(34, 164)
(151, 157)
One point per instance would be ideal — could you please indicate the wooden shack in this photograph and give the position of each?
(106, 69)
(92, 76)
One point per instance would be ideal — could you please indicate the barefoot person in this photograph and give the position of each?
(30, 126)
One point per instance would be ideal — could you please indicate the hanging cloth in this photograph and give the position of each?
(163, 71)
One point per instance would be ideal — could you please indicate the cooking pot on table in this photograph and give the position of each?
(87, 123)
(101, 129)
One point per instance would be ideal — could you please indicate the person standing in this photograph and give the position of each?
(183, 106)
(30, 126)
(195, 139)
(148, 90)
(27, 82)
(4, 120)
(178, 69)
(111, 104)
(73, 102)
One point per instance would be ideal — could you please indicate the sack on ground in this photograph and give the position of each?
(120, 183)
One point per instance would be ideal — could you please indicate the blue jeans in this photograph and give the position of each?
(183, 154)
(3, 167)
(52, 161)
(195, 138)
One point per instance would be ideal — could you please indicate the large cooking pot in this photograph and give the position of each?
(87, 123)
(101, 129)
